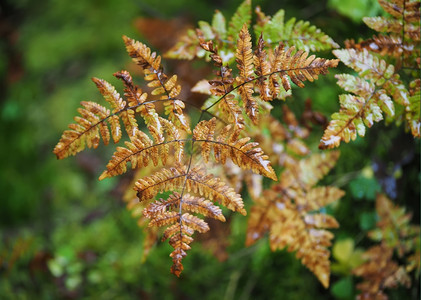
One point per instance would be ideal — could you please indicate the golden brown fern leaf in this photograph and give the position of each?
(379, 272)
(396, 235)
(227, 145)
(141, 150)
(289, 211)
(394, 228)
(137, 100)
(222, 86)
(244, 58)
(196, 181)
(405, 18)
(399, 33)
(281, 66)
(92, 124)
(175, 213)
(262, 68)
(298, 66)
(384, 45)
(181, 226)
(163, 86)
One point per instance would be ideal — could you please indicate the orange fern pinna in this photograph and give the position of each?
(188, 155)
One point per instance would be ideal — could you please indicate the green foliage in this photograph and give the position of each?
(356, 9)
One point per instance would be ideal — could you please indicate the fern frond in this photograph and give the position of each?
(382, 44)
(369, 100)
(169, 212)
(310, 170)
(92, 124)
(223, 86)
(413, 109)
(244, 60)
(241, 16)
(393, 227)
(164, 86)
(137, 99)
(395, 233)
(298, 66)
(288, 211)
(196, 181)
(306, 237)
(185, 48)
(379, 271)
(141, 150)
(301, 34)
(219, 25)
(390, 25)
(214, 189)
(226, 145)
(262, 68)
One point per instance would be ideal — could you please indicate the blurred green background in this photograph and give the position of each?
(64, 234)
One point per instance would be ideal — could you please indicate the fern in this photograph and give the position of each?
(191, 162)
(300, 34)
(289, 211)
(380, 271)
(378, 87)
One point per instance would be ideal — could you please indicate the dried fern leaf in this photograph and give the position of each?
(137, 101)
(395, 233)
(393, 227)
(289, 212)
(92, 124)
(141, 150)
(222, 87)
(119, 107)
(310, 170)
(384, 24)
(377, 271)
(185, 48)
(244, 59)
(196, 181)
(214, 189)
(262, 68)
(169, 212)
(181, 226)
(86, 131)
(240, 151)
(298, 67)
(167, 87)
(305, 236)
(391, 45)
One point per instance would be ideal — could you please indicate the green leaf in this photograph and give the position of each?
(241, 16)
(218, 24)
(343, 249)
(364, 188)
(344, 288)
(355, 9)
(368, 220)
(207, 30)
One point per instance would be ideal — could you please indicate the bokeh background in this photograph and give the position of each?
(65, 235)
